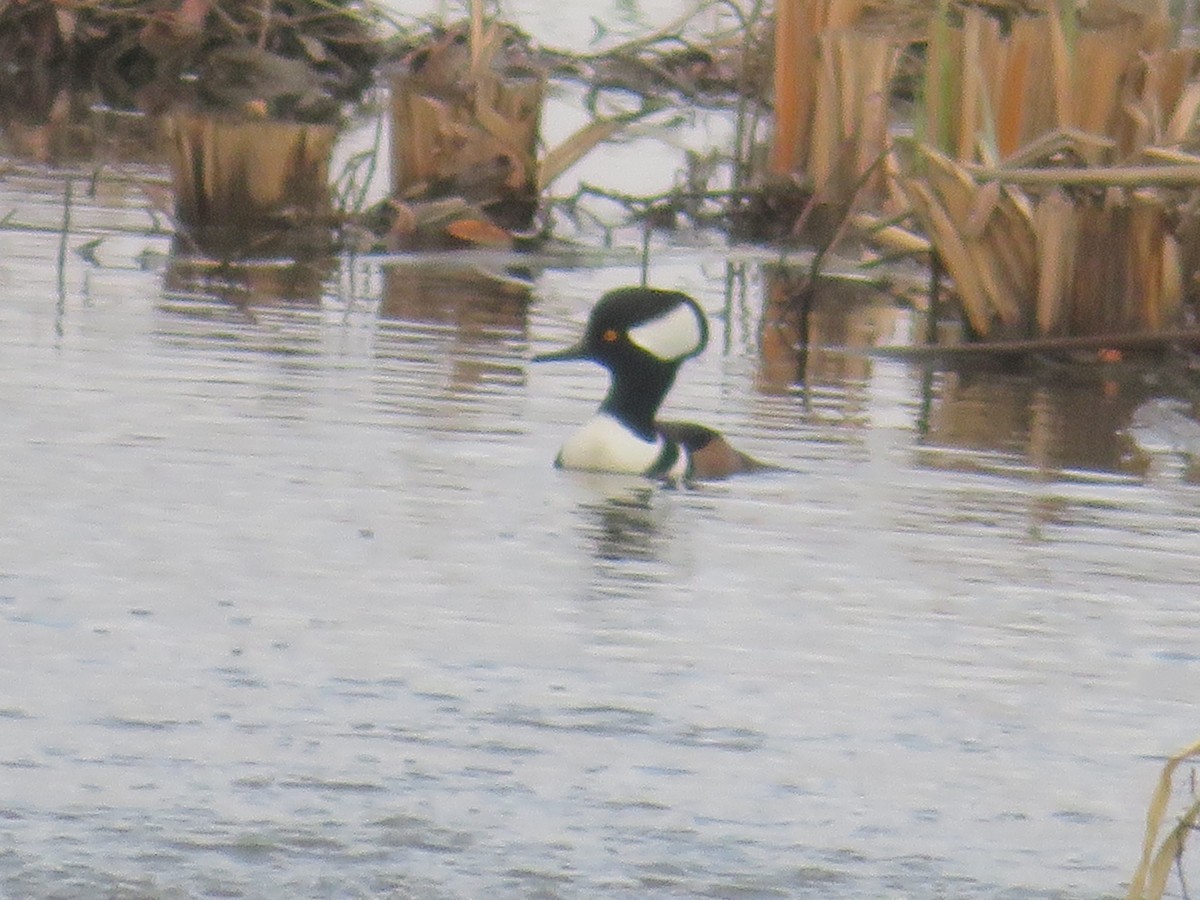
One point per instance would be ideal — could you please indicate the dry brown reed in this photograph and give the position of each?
(1154, 868)
(465, 125)
(832, 86)
(991, 91)
(1053, 195)
(251, 187)
(1059, 263)
(984, 238)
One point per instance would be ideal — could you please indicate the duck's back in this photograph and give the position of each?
(711, 455)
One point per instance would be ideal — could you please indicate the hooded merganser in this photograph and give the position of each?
(642, 335)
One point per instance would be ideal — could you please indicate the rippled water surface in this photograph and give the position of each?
(293, 604)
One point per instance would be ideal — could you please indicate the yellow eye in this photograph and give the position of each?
(610, 336)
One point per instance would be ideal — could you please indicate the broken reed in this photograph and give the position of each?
(989, 91)
(444, 142)
(251, 187)
(1036, 250)
(466, 126)
(1149, 881)
(833, 79)
(1064, 262)
(466, 119)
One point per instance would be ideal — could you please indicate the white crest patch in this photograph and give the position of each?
(671, 336)
(605, 445)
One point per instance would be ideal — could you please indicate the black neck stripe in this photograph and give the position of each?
(667, 457)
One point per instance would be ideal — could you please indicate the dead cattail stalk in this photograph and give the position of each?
(1106, 176)
(793, 36)
(1161, 99)
(832, 82)
(466, 126)
(987, 92)
(1057, 233)
(1101, 63)
(984, 237)
(1150, 879)
(1073, 263)
(1126, 273)
(251, 187)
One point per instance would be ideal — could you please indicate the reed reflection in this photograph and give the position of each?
(805, 334)
(43, 119)
(1031, 414)
(243, 288)
(259, 327)
(1035, 418)
(472, 322)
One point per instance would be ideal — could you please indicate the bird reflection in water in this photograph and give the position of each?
(625, 526)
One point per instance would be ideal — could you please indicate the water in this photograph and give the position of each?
(293, 603)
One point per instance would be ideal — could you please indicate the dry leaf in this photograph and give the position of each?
(478, 231)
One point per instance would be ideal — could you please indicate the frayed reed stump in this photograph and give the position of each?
(465, 125)
(252, 188)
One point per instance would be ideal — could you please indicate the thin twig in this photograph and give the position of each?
(1109, 176)
(66, 230)
(667, 32)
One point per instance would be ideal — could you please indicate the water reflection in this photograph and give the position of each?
(473, 299)
(1035, 417)
(43, 120)
(467, 328)
(1172, 427)
(273, 312)
(243, 288)
(804, 338)
(621, 525)
(1006, 420)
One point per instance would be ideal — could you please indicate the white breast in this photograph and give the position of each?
(605, 445)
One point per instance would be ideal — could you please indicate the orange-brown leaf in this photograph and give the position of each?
(478, 231)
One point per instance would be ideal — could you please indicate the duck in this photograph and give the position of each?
(642, 335)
